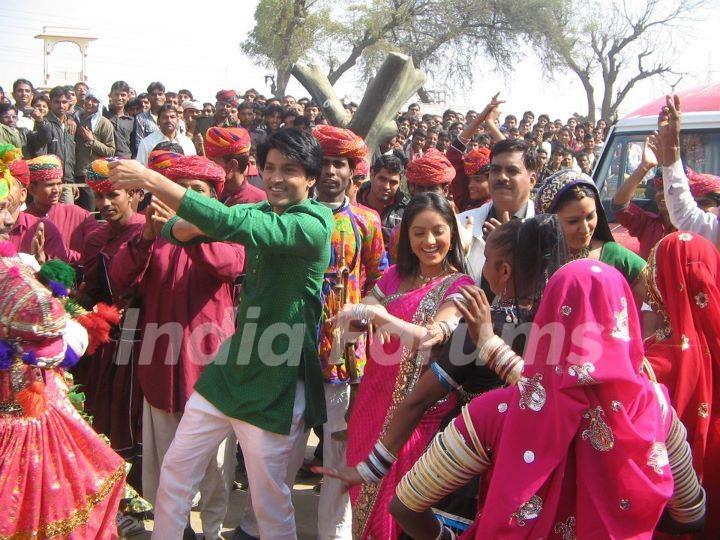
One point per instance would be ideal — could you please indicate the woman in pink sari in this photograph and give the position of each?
(411, 306)
(584, 446)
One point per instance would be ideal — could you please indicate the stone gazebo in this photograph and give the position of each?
(51, 36)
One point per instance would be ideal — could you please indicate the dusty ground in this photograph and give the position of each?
(305, 501)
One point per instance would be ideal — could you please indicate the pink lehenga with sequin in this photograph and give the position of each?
(58, 478)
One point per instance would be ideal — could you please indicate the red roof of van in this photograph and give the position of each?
(698, 99)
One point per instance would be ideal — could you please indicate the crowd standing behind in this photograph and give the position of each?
(211, 225)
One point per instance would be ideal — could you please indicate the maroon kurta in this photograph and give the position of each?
(109, 381)
(74, 223)
(22, 234)
(247, 193)
(186, 298)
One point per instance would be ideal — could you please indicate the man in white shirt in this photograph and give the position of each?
(685, 214)
(23, 92)
(512, 175)
(168, 121)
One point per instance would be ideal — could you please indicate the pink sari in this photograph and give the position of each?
(390, 375)
(578, 445)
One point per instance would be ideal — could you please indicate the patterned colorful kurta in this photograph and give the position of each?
(363, 253)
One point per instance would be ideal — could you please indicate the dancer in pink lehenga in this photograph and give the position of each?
(58, 478)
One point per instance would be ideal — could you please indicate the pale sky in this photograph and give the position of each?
(196, 46)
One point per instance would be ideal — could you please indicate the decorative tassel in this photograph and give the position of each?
(30, 358)
(57, 289)
(57, 270)
(7, 354)
(32, 398)
(108, 312)
(71, 358)
(7, 249)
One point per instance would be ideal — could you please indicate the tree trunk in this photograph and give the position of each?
(396, 80)
(423, 95)
(314, 81)
(281, 81)
(607, 106)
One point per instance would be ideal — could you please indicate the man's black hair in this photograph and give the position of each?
(166, 107)
(390, 163)
(301, 122)
(186, 91)
(273, 109)
(530, 158)
(5, 107)
(18, 82)
(58, 92)
(295, 145)
(157, 85)
(245, 105)
(170, 147)
(120, 86)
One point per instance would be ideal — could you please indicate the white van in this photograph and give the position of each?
(622, 151)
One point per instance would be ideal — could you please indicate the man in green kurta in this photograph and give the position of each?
(267, 386)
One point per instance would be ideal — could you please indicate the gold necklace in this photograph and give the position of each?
(427, 279)
(584, 253)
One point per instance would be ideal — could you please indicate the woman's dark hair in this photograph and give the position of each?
(407, 262)
(295, 145)
(535, 248)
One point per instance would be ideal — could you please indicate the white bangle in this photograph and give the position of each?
(362, 312)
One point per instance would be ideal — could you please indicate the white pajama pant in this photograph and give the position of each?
(334, 515)
(159, 428)
(267, 456)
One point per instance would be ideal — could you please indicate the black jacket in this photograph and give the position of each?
(55, 139)
(391, 215)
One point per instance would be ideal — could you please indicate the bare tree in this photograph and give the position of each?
(615, 46)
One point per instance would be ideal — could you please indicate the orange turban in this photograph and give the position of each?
(96, 175)
(221, 142)
(196, 168)
(339, 142)
(432, 169)
(361, 168)
(701, 185)
(476, 160)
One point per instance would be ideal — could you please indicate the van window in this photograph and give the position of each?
(700, 150)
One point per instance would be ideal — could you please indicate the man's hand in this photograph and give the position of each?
(129, 174)
(37, 244)
(71, 127)
(493, 108)
(649, 160)
(476, 313)
(86, 134)
(149, 233)
(669, 122)
(161, 213)
(492, 224)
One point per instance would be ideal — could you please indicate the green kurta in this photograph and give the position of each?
(277, 322)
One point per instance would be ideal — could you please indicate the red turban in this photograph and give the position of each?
(361, 168)
(476, 160)
(433, 169)
(44, 168)
(21, 171)
(197, 168)
(221, 142)
(227, 96)
(339, 142)
(159, 160)
(701, 185)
